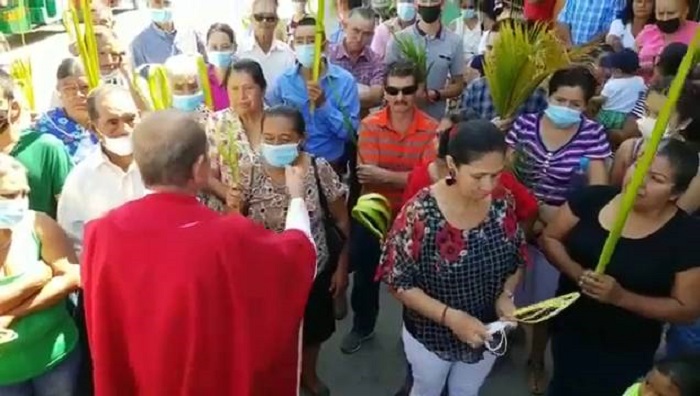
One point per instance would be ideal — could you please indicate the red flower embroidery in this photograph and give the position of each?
(510, 223)
(386, 267)
(417, 238)
(450, 243)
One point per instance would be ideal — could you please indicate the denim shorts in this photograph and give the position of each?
(62, 380)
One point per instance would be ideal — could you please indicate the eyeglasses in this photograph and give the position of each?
(265, 18)
(393, 91)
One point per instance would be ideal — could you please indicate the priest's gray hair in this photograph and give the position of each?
(167, 144)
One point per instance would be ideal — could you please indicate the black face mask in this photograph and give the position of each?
(429, 14)
(669, 26)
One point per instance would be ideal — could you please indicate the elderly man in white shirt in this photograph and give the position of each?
(274, 56)
(108, 177)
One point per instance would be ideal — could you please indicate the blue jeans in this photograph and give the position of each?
(59, 381)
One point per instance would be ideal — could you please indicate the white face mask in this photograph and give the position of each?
(646, 127)
(120, 146)
(12, 212)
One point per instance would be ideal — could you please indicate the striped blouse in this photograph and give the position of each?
(548, 173)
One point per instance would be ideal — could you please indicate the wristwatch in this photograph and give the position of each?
(437, 95)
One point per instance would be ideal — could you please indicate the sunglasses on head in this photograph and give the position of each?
(393, 91)
(265, 18)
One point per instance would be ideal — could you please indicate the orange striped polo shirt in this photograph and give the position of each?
(381, 145)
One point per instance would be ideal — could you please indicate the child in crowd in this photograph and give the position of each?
(622, 89)
(670, 377)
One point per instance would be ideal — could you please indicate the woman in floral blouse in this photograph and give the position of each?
(242, 122)
(453, 258)
(69, 121)
(262, 195)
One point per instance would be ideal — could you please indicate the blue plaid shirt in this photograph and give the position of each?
(589, 18)
(477, 98)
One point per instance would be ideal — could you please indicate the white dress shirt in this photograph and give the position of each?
(279, 59)
(94, 187)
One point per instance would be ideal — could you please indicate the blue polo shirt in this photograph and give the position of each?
(330, 126)
(154, 45)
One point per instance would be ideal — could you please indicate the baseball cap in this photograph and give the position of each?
(626, 60)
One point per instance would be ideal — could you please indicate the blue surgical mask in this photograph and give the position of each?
(220, 59)
(280, 155)
(562, 116)
(406, 11)
(12, 212)
(468, 13)
(188, 102)
(161, 15)
(305, 54)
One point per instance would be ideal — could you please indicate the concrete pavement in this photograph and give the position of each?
(378, 369)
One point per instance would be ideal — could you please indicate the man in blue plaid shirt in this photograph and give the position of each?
(582, 21)
(477, 96)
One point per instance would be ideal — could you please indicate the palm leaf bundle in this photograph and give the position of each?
(21, 72)
(415, 52)
(85, 40)
(203, 74)
(523, 167)
(650, 148)
(522, 58)
(159, 87)
(227, 145)
(318, 42)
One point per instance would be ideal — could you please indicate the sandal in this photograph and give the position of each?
(537, 377)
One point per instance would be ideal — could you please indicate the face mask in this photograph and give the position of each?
(406, 11)
(468, 13)
(300, 6)
(562, 116)
(280, 155)
(121, 146)
(646, 127)
(220, 59)
(161, 15)
(669, 26)
(12, 211)
(305, 54)
(188, 102)
(429, 14)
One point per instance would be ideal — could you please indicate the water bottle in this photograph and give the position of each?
(579, 178)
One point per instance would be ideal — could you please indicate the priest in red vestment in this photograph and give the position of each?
(181, 301)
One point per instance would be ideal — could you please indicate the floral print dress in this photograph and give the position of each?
(225, 130)
(267, 202)
(465, 269)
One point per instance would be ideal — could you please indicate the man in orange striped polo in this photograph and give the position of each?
(391, 142)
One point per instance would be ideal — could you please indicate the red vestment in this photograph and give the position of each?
(181, 301)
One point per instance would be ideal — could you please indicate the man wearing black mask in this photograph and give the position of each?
(445, 58)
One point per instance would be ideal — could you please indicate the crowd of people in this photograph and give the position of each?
(207, 248)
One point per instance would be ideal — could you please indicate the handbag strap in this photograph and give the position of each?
(321, 195)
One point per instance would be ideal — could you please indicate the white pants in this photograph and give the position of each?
(430, 372)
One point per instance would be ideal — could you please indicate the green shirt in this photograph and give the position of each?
(46, 337)
(48, 163)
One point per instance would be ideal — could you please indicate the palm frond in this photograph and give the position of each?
(523, 56)
(415, 53)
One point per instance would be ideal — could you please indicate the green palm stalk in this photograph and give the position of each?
(650, 149)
